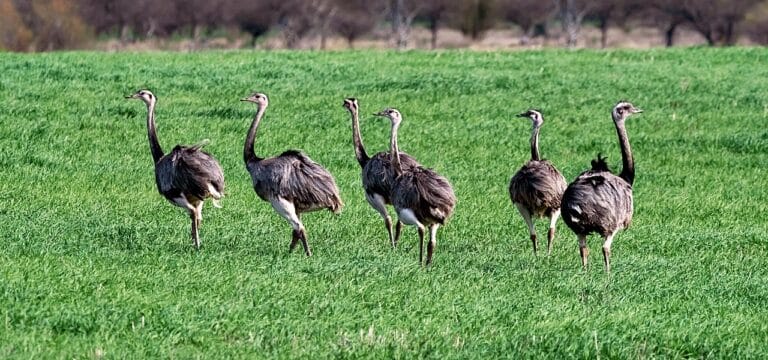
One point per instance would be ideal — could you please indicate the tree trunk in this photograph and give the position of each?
(571, 18)
(124, 33)
(728, 38)
(323, 39)
(709, 37)
(603, 25)
(399, 24)
(526, 38)
(433, 31)
(669, 35)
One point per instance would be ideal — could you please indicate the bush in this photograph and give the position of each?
(14, 34)
(756, 24)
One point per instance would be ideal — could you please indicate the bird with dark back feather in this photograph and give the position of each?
(599, 201)
(377, 173)
(187, 175)
(291, 181)
(537, 188)
(421, 197)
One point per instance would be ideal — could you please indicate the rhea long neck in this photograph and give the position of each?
(154, 143)
(535, 142)
(248, 152)
(360, 154)
(394, 152)
(628, 163)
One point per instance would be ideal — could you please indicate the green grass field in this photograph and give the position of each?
(94, 262)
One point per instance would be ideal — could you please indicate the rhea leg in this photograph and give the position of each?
(398, 230)
(528, 220)
(583, 250)
(196, 218)
(551, 233)
(303, 238)
(195, 211)
(408, 217)
(607, 251)
(421, 243)
(432, 242)
(379, 204)
(286, 209)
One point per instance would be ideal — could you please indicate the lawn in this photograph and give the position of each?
(95, 263)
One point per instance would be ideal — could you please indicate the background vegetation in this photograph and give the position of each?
(94, 263)
(43, 25)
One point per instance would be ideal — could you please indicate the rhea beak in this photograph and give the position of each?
(636, 110)
(245, 99)
(134, 96)
(522, 115)
(380, 113)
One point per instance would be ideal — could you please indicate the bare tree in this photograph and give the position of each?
(572, 14)
(324, 15)
(475, 17)
(607, 12)
(295, 19)
(54, 24)
(668, 16)
(253, 17)
(716, 20)
(353, 20)
(198, 15)
(756, 24)
(130, 18)
(401, 14)
(14, 34)
(435, 13)
(527, 14)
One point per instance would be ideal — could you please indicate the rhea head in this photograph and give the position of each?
(392, 114)
(350, 104)
(145, 95)
(623, 109)
(534, 115)
(257, 98)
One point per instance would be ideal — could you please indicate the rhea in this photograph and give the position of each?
(187, 175)
(377, 173)
(291, 181)
(421, 197)
(599, 201)
(537, 188)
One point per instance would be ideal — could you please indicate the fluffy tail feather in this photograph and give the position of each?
(600, 164)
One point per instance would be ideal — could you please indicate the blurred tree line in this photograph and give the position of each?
(42, 25)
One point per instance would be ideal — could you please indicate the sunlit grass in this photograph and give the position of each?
(94, 261)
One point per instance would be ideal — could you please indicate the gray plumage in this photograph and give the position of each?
(187, 175)
(295, 177)
(537, 188)
(599, 201)
(291, 182)
(421, 196)
(377, 173)
(426, 193)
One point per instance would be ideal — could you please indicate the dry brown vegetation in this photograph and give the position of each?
(45, 25)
